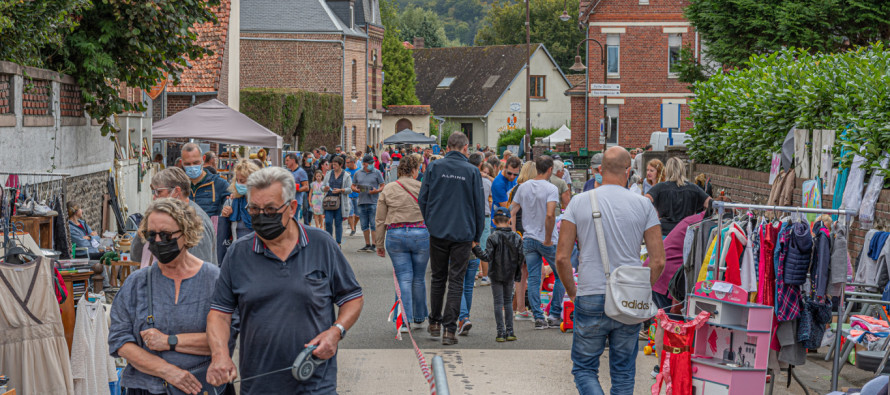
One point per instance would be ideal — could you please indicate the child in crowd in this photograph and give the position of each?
(504, 254)
(316, 198)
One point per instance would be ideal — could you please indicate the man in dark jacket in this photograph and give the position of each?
(451, 201)
(209, 191)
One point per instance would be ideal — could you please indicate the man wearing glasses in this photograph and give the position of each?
(283, 281)
(504, 182)
(173, 183)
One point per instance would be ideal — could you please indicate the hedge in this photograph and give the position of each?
(514, 136)
(316, 118)
(742, 117)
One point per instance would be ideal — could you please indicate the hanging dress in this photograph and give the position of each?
(33, 350)
(676, 359)
(91, 364)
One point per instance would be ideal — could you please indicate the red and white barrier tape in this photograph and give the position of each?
(400, 320)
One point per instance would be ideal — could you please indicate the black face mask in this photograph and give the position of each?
(165, 251)
(268, 227)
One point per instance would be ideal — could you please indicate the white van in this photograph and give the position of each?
(659, 140)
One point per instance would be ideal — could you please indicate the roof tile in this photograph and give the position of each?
(205, 72)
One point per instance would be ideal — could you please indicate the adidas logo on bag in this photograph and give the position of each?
(635, 304)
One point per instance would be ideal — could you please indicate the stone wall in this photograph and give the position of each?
(748, 186)
(88, 191)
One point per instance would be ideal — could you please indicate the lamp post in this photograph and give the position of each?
(579, 66)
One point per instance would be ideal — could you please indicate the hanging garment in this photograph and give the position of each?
(877, 244)
(676, 358)
(821, 259)
(704, 274)
(872, 191)
(766, 278)
(815, 314)
(800, 254)
(868, 269)
(787, 296)
(731, 256)
(840, 257)
(33, 350)
(91, 365)
(792, 351)
(61, 240)
(855, 182)
(747, 268)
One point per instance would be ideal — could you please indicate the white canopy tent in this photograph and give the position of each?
(560, 135)
(219, 123)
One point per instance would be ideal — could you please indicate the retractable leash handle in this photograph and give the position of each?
(302, 369)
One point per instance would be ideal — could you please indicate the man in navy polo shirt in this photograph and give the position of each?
(284, 282)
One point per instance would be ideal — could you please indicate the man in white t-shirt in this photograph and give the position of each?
(538, 199)
(627, 219)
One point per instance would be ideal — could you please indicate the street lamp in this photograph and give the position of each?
(579, 66)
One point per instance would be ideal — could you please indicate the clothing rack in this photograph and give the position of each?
(848, 220)
(4, 224)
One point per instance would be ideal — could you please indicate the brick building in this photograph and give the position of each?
(331, 46)
(210, 77)
(643, 39)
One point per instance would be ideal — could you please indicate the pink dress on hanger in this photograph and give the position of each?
(676, 358)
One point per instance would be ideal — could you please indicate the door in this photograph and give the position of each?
(467, 129)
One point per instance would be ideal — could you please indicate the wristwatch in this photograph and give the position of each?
(342, 330)
(172, 341)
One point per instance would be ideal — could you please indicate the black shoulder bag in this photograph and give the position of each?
(200, 371)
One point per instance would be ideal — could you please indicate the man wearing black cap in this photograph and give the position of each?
(368, 182)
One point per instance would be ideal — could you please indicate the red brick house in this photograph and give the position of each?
(325, 46)
(208, 77)
(643, 39)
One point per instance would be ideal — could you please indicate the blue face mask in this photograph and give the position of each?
(367, 166)
(194, 172)
(241, 189)
(599, 178)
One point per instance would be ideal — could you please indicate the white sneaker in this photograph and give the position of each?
(485, 281)
(416, 325)
(404, 329)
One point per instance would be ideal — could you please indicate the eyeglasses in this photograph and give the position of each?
(165, 236)
(254, 210)
(156, 191)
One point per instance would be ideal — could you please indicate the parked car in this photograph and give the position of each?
(659, 140)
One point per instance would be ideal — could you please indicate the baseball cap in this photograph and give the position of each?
(501, 212)
(368, 158)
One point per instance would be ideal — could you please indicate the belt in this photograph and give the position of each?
(677, 350)
(418, 224)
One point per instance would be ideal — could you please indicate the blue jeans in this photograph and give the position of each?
(334, 219)
(559, 290)
(486, 231)
(353, 206)
(299, 212)
(591, 331)
(535, 251)
(466, 300)
(409, 250)
(367, 214)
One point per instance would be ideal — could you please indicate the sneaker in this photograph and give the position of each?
(655, 372)
(449, 339)
(523, 316)
(502, 337)
(434, 329)
(484, 281)
(352, 233)
(404, 329)
(366, 248)
(417, 325)
(464, 326)
(511, 336)
(541, 324)
(553, 322)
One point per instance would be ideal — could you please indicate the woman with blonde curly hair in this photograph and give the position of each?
(159, 316)
(654, 174)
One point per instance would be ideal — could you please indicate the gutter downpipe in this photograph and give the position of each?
(367, 117)
(342, 43)
(439, 135)
(586, 93)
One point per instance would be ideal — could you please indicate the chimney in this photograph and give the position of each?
(352, 14)
(418, 42)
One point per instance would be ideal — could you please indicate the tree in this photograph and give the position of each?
(419, 22)
(505, 24)
(106, 45)
(736, 29)
(398, 64)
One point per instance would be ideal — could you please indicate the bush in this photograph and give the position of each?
(316, 118)
(743, 116)
(513, 137)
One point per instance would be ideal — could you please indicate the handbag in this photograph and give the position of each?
(628, 292)
(199, 371)
(331, 202)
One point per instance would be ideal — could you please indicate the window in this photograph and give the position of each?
(446, 82)
(354, 80)
(675, 42)
(352, 139)
(537, 85)
(613, 54)
(612, 136)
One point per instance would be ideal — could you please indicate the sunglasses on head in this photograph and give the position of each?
(165, 236)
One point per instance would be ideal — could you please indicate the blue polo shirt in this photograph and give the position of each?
(500, 191)
(283, 305)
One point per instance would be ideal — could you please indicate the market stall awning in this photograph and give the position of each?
(408, 136)
(560, 135)
(216, 122)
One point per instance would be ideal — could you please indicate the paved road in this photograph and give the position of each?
(372, 362)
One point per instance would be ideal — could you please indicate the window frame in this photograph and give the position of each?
(674, 73)
(443, 85)
(354, 79)
(542, 85)
(616, 45)
(614, 120)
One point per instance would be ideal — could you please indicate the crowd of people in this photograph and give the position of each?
(467, 218)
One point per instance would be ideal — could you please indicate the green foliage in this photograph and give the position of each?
(30, 31)
(690, 69)
(314, 119)
(505, 24)
(398, 71)
(742, 117)
(447, 128)
(460, 18)
(735, 29)
(418, 22)
(105, 45)
(514, 136)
